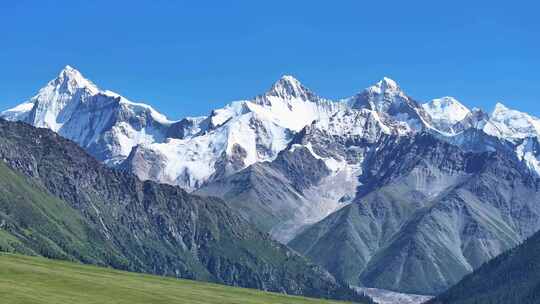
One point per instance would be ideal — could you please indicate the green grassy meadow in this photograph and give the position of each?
(25, 280)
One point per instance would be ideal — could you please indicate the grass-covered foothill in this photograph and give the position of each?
(25, 280)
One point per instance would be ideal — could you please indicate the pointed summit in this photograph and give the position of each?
(379, 96)
(499, 108)
(68, 69)
(387, 98)
(289, 79)
(288, 87)
(384, 85)
(43, 109)
(70, 79)
(514, 124)
(55, 101)
(388, 84)
(504, 114)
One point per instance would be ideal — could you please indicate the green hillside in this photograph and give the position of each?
(512, 277)
(36, 223)
(25, 280)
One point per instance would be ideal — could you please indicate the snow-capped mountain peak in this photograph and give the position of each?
(54, 102)
(385, 85)
(287, 88)
(380, 96)
(513, 124)
(446, 109)
(388, 99)
(52, 98)
(106, 124)
(499, 109)
(70, 79)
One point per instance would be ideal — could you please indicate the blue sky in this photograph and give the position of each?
(187, 57)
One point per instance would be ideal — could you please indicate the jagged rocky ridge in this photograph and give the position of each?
(57, 201)
(288, 159)
(196, 150)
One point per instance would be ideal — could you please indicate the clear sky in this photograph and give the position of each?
(187, 57)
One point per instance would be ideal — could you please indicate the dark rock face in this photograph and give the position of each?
(150, 227)
(301, 168)
(142, 160)
(180, 129)
(236, 159)
(426, 214)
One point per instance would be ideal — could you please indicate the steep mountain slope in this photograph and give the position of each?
(35, 222)
(281, 196)
(315, 175)
(73, 207)
(106, 124)
(426, 214)
(512, 277)
(188, 152)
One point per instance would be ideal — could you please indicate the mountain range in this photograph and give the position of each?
(59, 202)
(378, 188)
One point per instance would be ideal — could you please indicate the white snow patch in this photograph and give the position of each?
(17, 112)
(447, 109)
(527, 153)
(382, 296)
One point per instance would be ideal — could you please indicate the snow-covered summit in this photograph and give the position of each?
(105, 123)
(233, 137)
(390, 101)
(499, 108)
(385, 85)
(70, 79)
(513, 124)
(54, 103)
(446, 109)
(288, 87)
(379, 96)
(47, 106)
(287, 90)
